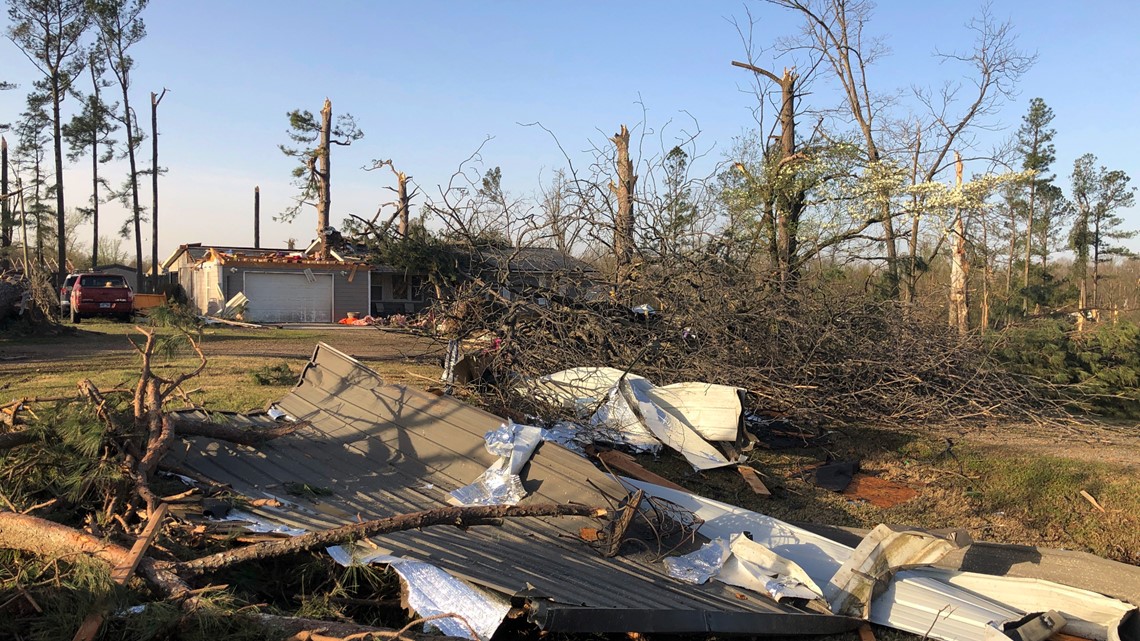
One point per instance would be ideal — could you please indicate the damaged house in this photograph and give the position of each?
(292, 286)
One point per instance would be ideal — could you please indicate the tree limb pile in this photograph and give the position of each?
(831, 355)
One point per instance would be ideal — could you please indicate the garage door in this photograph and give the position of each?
(288, 297)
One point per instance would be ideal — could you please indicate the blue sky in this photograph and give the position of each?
(428, 81)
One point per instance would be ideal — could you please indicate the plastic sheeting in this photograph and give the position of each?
(500, 483)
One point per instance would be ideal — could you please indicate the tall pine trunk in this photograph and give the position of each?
(133, 167)
(154, 100)
(5, 206)
(57, 135)
(324, 199)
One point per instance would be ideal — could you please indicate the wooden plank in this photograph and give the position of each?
(624, 463)
(122, 573)
(865, 633)
(752, 478)
(615, 534)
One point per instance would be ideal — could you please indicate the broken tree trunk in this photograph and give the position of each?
(232, 433)
(10, 440)
(52, 540)
(404, 205)
(790, 202)
(457, 516)
(624, 190)
(959, 268)
(324, 196)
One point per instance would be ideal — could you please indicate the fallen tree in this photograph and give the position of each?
(822, 355)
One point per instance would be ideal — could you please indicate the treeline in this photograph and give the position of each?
(869, 188)
(80, 107)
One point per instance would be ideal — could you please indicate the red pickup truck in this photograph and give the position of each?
(101, 295)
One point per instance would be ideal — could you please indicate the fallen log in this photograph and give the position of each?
(316, 630)
(11, 440)
(457, 516)
(232, 433)
(52, 540)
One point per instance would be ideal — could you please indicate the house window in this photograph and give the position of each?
(407, 288)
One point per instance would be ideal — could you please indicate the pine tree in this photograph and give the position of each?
(314, 174)
(1035, 143)
(90, 132)
(1099, 193)
(120, 26)
(48, 32)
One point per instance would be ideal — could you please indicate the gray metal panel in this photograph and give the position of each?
(384, 449)
(347, 297)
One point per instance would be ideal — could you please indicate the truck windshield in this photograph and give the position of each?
(102, 281)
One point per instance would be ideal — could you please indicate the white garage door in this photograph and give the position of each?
(288, 297)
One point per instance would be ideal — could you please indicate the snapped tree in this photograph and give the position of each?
(313, 175)
(836, 34)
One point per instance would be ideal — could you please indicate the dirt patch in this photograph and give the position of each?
(106, 338)
(878, 491)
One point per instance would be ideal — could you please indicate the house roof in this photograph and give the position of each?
(198, 252)
(383, 449)
(533, 259)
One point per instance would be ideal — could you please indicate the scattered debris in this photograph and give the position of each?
(1093, 501)
(377, 447)
(832, 476)
(775, 433)
(500, 483)
(752, 478)
(624, 463)
(866, 572)
(744, 563)
(921, 601)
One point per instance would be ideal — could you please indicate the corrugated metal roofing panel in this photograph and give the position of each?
(382, 450)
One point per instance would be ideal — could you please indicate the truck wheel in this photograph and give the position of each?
(125, 318)
(75, 317)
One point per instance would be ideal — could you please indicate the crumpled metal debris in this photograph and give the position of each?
(865, 574)
(431, 592)
(500, 484)
(700, 566)
(744, 563)
(669, 429)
